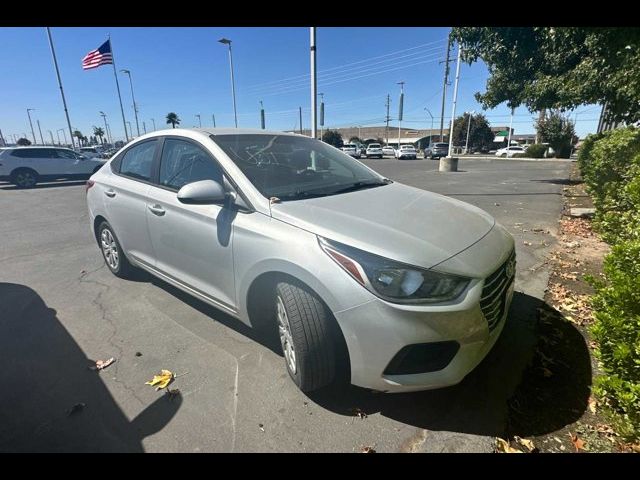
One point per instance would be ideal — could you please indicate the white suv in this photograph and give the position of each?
(26, 166)
(351, 149)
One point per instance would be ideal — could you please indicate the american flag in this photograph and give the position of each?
(100, 56)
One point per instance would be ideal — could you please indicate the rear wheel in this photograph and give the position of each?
(112, 252)
(24, 178)
(306, 336)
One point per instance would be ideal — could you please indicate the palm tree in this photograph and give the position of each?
(98, 132)
(78, 135)
(172, 118)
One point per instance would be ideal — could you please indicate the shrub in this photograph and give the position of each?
(520, 155)
(617, 329)
(536, 150)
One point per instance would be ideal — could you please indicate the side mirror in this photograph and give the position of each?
(202, 192)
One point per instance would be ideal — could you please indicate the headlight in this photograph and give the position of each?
(394, 281)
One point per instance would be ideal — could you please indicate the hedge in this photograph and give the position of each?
(610, 167)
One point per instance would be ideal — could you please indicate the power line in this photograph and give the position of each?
(307, 76)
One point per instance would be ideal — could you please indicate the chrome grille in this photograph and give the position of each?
(494, 292)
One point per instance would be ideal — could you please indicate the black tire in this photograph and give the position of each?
(122, 268)
(24, 178)
(314, 342)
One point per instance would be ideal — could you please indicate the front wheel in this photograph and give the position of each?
(306, 336)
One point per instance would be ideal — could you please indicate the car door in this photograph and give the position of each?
(126, 199)
(192, 243)
(42, 160)
(74, 163)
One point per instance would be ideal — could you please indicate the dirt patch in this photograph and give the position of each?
(553, 405)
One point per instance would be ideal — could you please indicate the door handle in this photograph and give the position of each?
(110, 193)
(157, 210)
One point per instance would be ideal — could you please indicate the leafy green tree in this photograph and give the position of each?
(558, 67)
(172, 118)
(480, 134)
(356, 140)
(558, 131)
(333, 137)
(99, 132)
(23, 142)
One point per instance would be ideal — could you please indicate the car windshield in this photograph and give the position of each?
(440, 145)
(293, 167)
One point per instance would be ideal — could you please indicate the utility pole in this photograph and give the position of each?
(213, 116)
(64, 101)
(400, 111)
(51, 135)
(40, 130)
(261, 115)
(144, 127)
(300, 112)
(444, 88)
(314, 84)
(153, 120)
(386, 129)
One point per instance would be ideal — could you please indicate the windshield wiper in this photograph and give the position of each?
(362, 185)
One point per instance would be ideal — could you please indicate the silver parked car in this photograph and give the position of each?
(396, 288)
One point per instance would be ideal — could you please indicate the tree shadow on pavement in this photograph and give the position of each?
(51, 401)
(480, 403)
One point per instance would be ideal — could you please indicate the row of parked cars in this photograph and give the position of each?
(375, 150)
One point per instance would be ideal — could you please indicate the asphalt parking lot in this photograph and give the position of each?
(61, 308)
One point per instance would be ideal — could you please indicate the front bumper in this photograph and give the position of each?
(377, 330)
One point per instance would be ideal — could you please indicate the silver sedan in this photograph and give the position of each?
(395, 288)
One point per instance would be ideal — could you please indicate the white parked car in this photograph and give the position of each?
(374, 150)
(509, 152)
(388, 150)
(91, 152)
(406, 151)
(351, 149)
(26, 166)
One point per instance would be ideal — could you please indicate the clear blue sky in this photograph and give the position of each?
(186, 70)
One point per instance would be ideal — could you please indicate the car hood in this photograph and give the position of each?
(396, 221)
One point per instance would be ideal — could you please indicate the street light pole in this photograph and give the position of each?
(154, 124)
(144, 127)
(466, 145)
(199, 120)
(106, 127)
(40, 130)
(455, 100)
(130, 129)
(400, 106)
(321, 95)
(51, 135)
(314, 85)
(431, 131)
(31, 123)
(213, 117)
(135, 106)
(233, 83)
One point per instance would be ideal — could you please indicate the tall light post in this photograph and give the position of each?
(431, 131)
(51, 135)
(262, 115)
(154, 123)
(130, 129)
(31, 123)
(40, 130)
(64, 135)
(213, 116)
(227, 42)
(466, 144)
(321, 95)
(314, 83)
(199, 120)
(106, 127)
(455, 100)
(135, 106)
(144, 127)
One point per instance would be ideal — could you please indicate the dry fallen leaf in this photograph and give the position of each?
(367, 450)
(527, 444)
(101, 364)
(546, 372)
(502, 446)
(577, 442)
(636, 447)
(163, 379)
(592, 405)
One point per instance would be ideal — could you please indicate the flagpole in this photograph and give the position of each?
(115, 74)
(64, 102)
